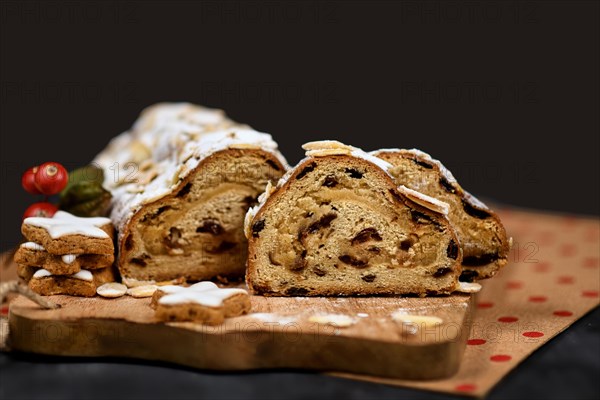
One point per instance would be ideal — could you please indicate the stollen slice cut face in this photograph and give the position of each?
(480, 231)
(337, 224)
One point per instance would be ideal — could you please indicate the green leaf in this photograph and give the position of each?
(89, 173)
(84, 195)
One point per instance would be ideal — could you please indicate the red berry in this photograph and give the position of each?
(28, 181)
(51, 178)
(40, 210)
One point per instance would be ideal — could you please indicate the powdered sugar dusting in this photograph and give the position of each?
(273, 318)
(419, 153)
(337, 320)
(472, 200)
(164, 145)
(384, 165)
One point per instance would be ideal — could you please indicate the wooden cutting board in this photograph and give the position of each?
(278, 333)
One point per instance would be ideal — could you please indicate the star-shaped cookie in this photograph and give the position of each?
(202, 302)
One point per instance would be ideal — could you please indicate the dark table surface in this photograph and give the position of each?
(568, 367)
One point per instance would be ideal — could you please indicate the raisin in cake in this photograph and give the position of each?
(182, 180)
(337, 224)
(481, 234)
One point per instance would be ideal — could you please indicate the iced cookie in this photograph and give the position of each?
(34, 255)
(83, 283)
(202, 302)
(65, 233)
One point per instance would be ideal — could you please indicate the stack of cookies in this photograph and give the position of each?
(66, 254)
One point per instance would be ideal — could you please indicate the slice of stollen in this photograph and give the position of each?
(337, 224)
(179, 208)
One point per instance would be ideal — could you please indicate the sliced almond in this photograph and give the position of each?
(337, 320)
(111, 290)
(248, 221)
(328, 152)
(466, 287)
(267, 193)
(177, 174)
(131, 282)
(142, 291)
(415, 322)
(424, 200)
(146, 165)
(139, 152)
(326, 144)
(176, 281)
(244, 146)
(148, 177)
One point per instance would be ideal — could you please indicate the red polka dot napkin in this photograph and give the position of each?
(552, 279)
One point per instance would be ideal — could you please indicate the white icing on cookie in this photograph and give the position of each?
(63, 224)
(204, 293)
(32, 246)
(200, 286)
(83, 275)
(41, 273)
(69, 258)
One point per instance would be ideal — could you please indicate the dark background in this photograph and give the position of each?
(506, 94)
